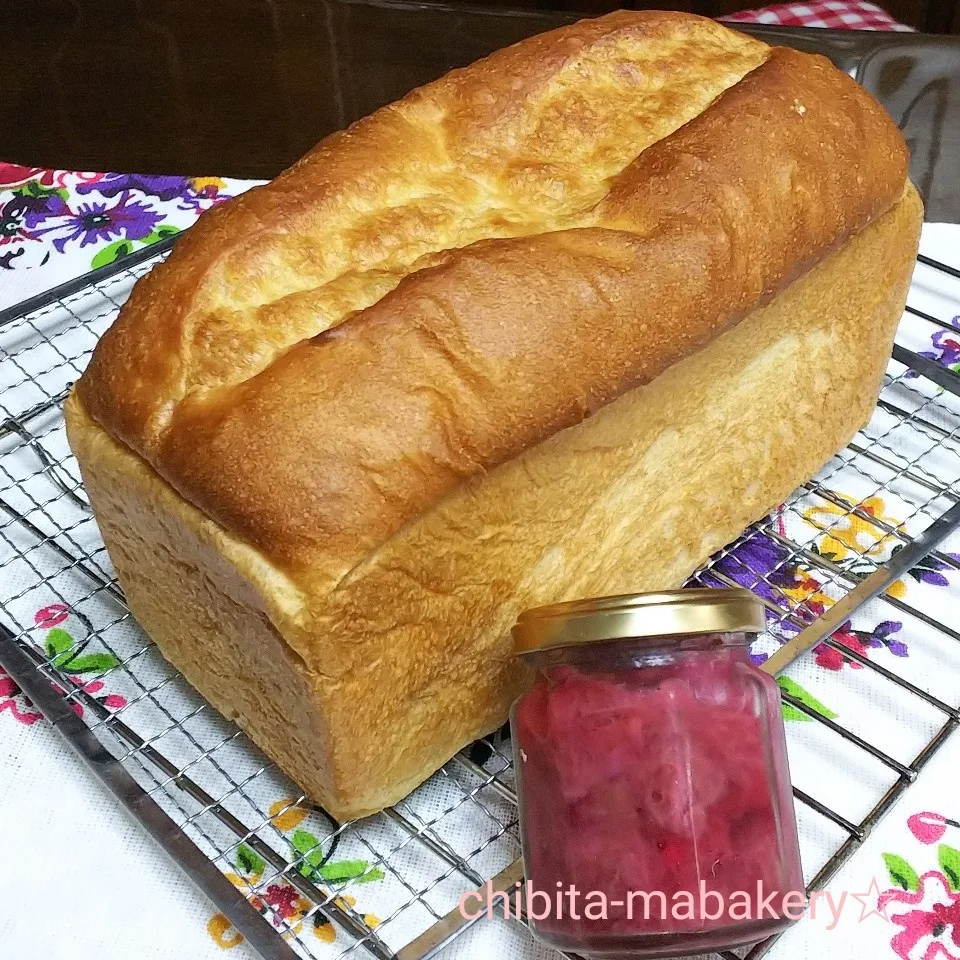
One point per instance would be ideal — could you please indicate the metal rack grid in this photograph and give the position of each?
(204, 792)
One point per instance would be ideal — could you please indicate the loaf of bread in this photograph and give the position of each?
(559, 324)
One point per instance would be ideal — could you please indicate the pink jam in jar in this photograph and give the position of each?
(655, 804)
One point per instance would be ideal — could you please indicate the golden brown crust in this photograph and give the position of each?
(523, 241)
(512, 145)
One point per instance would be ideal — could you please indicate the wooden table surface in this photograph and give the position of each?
(244, 87)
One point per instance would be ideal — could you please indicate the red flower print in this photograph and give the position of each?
(929, 827)
(860, 642)
(285, 901)
(48, 617)
(112, 700)
(946, 348)
(13, 175)
(833, 659)
(81, 181)
(929, 919)
(12, 701)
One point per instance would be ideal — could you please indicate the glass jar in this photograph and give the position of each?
(656, 811)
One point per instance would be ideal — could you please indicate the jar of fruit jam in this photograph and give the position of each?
(655, 804)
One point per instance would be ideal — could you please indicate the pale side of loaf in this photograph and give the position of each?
(559, 324)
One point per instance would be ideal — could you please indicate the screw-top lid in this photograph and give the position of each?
(638, 615)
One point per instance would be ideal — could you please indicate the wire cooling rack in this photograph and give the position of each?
(287, 876)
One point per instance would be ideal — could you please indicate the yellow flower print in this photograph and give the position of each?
(219, 928)
(807, 591)
(246, 886)
(201, 183)
(846, 535)
(323, 928)
(289, 906)
(897, 590)
(286, 815)
(345, 900)
(278, 898)
(243, 883)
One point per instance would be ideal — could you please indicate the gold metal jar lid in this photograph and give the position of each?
(639, 615)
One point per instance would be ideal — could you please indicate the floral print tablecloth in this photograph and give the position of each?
(77, 878)
(58, 224)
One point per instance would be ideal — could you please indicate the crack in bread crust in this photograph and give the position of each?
(496, 150)
(479, 266)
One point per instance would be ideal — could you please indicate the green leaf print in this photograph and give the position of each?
(111, 253)
(249, 863)
(67, 656)
(357, 870)
(341, 871)
(58, 645)
(304, 842)
(163, 231)
(90, 663)
(950, 862)
(826, 554)
(794, 689)
(901, 873)
(37, 189)
(308, 846)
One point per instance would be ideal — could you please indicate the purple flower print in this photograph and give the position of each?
(946, 346)
(26, 209)
(93, 222)
(113, 184)
(762, 565)
(882, 636)
(758, 563)
(860, 642)
(195, 194)
(38, 209)
(946, 349)
(27, 205)
(931, 569)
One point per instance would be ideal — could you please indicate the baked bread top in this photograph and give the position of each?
(478, 266)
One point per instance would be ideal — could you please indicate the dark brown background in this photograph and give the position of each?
(245, 87)
(228, 87)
